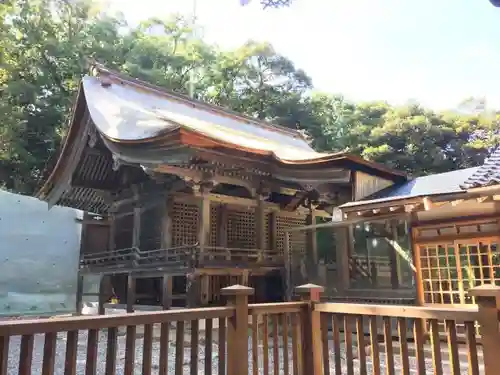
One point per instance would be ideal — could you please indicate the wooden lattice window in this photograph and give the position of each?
(449, 270)
(214, 219)
(297, 238)
(185, 219)
(267, 229)
(241, 231)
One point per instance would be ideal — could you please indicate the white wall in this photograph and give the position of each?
(39, 252)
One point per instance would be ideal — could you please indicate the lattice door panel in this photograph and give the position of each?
(185, 218)
(437, 273)
(241, 230)
(449, 270)
(479, 263)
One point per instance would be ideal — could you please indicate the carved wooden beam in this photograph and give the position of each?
(294, 203)
(253, 184)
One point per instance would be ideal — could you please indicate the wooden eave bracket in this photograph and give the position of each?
(390, 210)
(295, 202)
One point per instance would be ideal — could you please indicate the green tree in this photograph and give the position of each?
(45, 46)
(408, 138)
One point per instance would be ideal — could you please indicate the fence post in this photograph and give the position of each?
(312, 345)
(487, 297)
(237, 333)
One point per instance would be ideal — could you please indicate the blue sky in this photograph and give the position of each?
(437, 52)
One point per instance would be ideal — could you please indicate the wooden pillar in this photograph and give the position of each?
(166, 292)
(393, 259)
(103, 293)
(79, 294)
(166, 227)
(112, 231)
(311, 330)
(488, 298)
(342, 258)
(204, 222)
(130, 293)
(312, 247)
(204, 289)
(399, 267)
(136, 232)
(222, 226)
(237, 332)
(192, 290)
(260, 227)
(417, 261)
(244, 277)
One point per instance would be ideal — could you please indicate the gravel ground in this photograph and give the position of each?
(61, 342)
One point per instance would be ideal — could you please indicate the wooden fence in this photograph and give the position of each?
(300, 338)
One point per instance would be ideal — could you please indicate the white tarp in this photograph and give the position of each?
(39, 252)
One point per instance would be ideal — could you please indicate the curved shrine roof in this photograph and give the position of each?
(143, 124)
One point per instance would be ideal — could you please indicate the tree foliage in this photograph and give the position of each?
(45, 46)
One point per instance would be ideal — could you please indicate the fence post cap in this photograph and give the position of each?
(486, 290)
(308, 288)
(237, 290)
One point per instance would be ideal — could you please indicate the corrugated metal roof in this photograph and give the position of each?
(486, 175)
(435, 184)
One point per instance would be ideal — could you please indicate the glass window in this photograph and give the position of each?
(382, 255)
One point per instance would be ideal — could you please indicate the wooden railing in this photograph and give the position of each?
(178, 257)
(300, 338)
(181, 257)
(219, 256)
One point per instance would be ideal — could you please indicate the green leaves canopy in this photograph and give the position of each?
(44, 50)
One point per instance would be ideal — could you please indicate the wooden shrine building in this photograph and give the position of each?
(436, 235)
(182, 198)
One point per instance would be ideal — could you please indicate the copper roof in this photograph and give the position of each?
(142, 124)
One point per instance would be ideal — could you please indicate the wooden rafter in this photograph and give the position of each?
(384, 211)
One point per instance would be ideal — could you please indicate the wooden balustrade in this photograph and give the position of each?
(306, 337)
(178, 258)
(220, 256)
